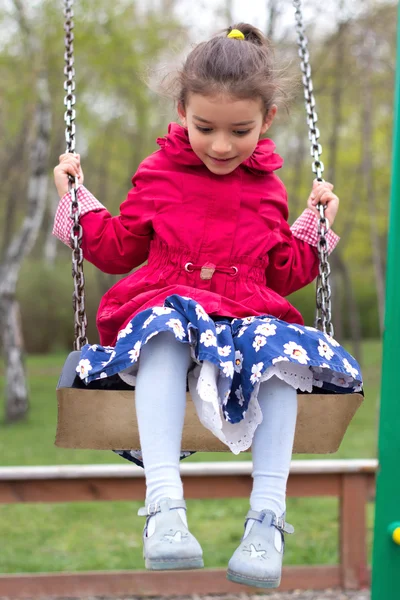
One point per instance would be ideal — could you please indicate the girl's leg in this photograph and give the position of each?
(272, 451)
(273, 445)
(160, 409)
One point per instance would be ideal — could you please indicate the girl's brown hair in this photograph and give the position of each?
(239, 68)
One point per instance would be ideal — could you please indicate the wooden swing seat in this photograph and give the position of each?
(101, 416)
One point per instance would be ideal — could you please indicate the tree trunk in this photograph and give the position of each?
(228, 17)
(51, 243)
(353, 314)
(21, 244)
(11, 170)
(333, 146)
(297, 203)
(368, 176)
(273, 13)
(16, 389)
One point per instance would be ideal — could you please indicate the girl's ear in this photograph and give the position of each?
(182, 114)
(269, 117)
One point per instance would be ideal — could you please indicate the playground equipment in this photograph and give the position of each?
(386, 554)
(101, 415)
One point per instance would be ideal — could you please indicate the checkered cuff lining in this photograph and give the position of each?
(62, 220)
(306, 228)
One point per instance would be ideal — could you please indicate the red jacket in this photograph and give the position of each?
(180, 217)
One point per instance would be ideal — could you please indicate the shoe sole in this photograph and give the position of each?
(260, 583)
(174, 565)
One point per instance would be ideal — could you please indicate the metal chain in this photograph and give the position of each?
(323, 315)
(78, 296)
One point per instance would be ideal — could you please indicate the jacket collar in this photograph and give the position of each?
(176, 145)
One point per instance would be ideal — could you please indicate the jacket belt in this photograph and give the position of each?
(208, 269)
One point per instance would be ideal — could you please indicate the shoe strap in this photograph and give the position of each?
(282, 526)
(278, 522)
(165, 503)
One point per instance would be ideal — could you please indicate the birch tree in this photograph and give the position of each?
(23, 240)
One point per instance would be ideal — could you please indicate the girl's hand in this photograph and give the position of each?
(70, 164)
(322, 193)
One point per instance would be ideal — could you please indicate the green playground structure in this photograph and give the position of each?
(386, 554)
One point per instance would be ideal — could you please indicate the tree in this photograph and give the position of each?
(24, 239)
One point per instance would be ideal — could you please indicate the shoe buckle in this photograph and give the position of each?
(282, 526)
(153, 508)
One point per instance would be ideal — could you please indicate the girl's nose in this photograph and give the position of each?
(221, 146)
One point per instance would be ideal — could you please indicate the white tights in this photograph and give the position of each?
(160, 407)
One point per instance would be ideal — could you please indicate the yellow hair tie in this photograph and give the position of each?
(236, 34)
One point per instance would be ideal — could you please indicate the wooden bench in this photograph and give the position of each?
(351, 481)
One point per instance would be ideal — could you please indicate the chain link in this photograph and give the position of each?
(78, 296)
(323, 315)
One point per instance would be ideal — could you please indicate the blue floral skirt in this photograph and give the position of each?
(231, 358)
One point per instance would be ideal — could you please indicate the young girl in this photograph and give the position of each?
(209, 216)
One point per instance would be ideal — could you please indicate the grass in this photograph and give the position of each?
(107, 535)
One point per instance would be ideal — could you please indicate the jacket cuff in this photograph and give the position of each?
(62, 221)
(306, 228)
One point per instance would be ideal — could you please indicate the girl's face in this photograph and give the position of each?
(224, 131)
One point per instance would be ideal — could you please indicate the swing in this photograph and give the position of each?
(101, 415)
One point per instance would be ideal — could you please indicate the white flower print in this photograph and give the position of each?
(324, 350)
(226, 415)
(134, 353)
(241, 332)
(342, 380)
(311, 328)
(148, 321)
(108, 349)
(295, 328)
(220, 328)
(224, 351)
(106, 362)
(332, 342)
(94, 347)
(201, 313)
(297, 352)
(150, 336)
(124, 332)
(227, 368)
(177, 328)
(239, 395)
(266, 329)
(256, 370)
(259, 341)
(226, 398)
(353, 372)
(162, 310)
(238, 361)
(248, 320)
(102, 375)
(279, 359)
(208, 338)
(83, 368)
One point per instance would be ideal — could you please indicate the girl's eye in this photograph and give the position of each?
(241, 132)
(203, 129)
